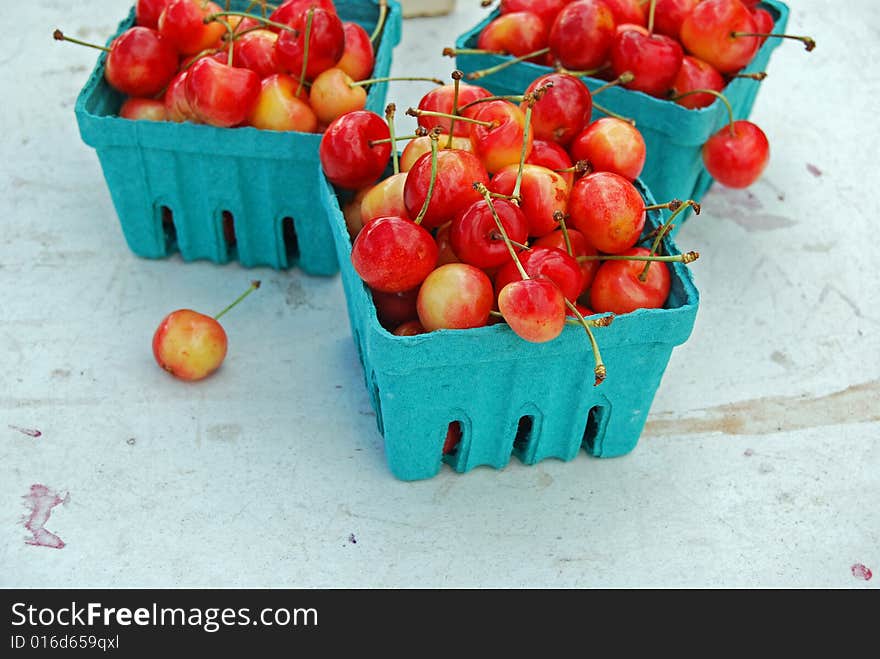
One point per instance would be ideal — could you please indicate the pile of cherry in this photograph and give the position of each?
(514, 208)
(682, 50)
(296, 68)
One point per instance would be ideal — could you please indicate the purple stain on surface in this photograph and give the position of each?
(41, 500)
(30, 432)
(748, 453)
(859, 571)
(815, 171)
(352, 539)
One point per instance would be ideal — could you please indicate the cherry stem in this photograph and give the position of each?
(483, 190)
(580, 167)
(476, 75)
(664, 230)
(58, 35)
(433, 182)
(516, 98)
(599, 371)
(673, 205)
(242, 14)
(302, 76)
(689, 257)
(716, 95)
(559, 216)
(758, 75)
(454, 52)
(651, 17)
(604, 110)
(380, 25)
(254, 286)
(231, 32)
(582, 74)
(398, 138)
(622, 79)
(808, 42)
(364, 83)
(456, 78)
(522, 154)
(509, 197)
(415, 112)
(497, 236)
(389, 117)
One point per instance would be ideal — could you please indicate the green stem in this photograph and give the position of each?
(599, 371)
(389, 117)
(483, 190)
(716, 95)
(454, 52)
(644, 274)
(231, 32)
(456, 81)
(380, 25)
(364, 83)
(808, 42)
(433, 182)
(516, 98)
(622, 79)
(266, 21)
(415, 112)
(651, 17)
(308, 35)
(604, 110)
(476, 75)
(254, 286)
(559, 216)
(523, 151)
(58, 35)
(688, 257)
(757, 75)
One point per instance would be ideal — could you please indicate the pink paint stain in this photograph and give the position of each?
(27, 431)
(859, 571)
(815, 171)
(41, 500)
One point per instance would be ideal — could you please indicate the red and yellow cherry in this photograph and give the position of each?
(177, 107)
(737, 155)
(582, 35)
(501, 143)
(444, 246)
(553, 157)
(419, 146)
(455, 296)
(544, 263)
(708, 33)
(392, 309)
(149, 109)
(517, 33)
(696, 74)
(409, 328)
(654, 61)
(332, 95)
(475, 236)
(619, 289)
(608, 210)
(628, 11)
(147, 12)
(611, 145)
(191, 345)
(287, 11)
(764, 22)
(547, 10)
(326, 43)
(563, 110)
(256, 51)
(457, 171)
(393, 254)
(355, 149)
(384, 198)
(534, 309)
(183, 24)
(543, 191)
(279, 108)
(358, 57)
(670, 14)
(221, 95)
(140, 63)
(440, 99)
(579, 247)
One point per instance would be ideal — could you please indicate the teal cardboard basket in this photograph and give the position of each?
(179, 187)
(510, 397)
(674, 135)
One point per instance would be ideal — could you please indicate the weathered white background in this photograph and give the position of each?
(760, 465)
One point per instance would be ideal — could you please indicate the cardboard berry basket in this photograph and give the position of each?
(174, 185)
(674, 135)
(511, 397)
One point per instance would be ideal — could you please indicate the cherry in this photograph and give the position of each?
(441, 100)
(609, 210)
(409, 328)
(708, 32)
(315, 44)
(696, 74)
(582, 35)
(764, 22)
(149, 109)
(517, 33)
(287, 11)
(421, 145)
(553, 157)
(534, 309)
(545, 263)
(279, 108)
(455, 296)
(670, 14)
(562, 110)
(737, 155)
(627, 11)
(475, 238)
(611, 145)
(385, 198)
(547, 10)
(331, 95)
(619, 289)
(147, 12)
(183, 24)
(393, 254)
(456, 172)
(191, 345)
(352, 151)
(221, 95)
(444, 245)
(579, 247)
(177, 107)
(358, 57)
(393, 309)
(653, 60)
(256, 51)
(503, 140)
(543, 192)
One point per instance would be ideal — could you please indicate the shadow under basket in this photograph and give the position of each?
(222, 194)
(674, 135)
(507, 396)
